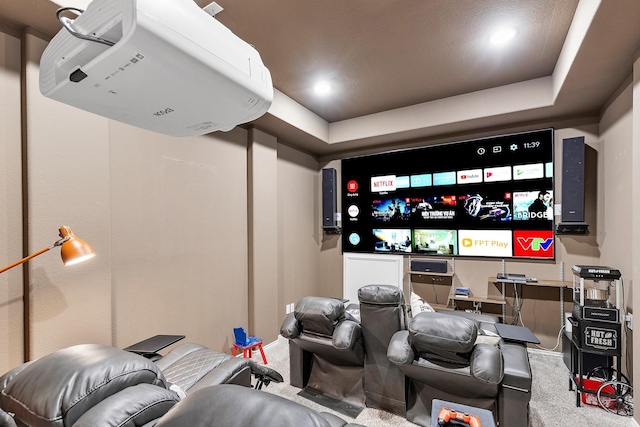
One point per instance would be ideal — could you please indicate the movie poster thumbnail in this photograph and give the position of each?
(388, 210)
(392, 240)
(435, 242)
(484, 207)
(533, 205)
(432, 208)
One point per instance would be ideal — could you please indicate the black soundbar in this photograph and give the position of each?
(431, 266)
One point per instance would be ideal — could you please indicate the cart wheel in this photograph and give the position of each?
(606, 374)
(616, 397)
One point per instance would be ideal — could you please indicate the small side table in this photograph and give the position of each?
(149, 348)
(516, 333)
(485, 416)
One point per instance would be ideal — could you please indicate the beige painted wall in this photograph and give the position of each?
(635, 204)
(67, 183)
(179, 233)
(300, 233)
(615, 197)
(11, 282)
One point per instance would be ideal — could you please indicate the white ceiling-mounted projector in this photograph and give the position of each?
(162, 65)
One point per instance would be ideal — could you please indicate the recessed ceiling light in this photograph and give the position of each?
(322, 88)
(503, 36)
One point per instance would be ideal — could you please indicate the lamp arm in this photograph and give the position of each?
(25, 259)
(35, 254)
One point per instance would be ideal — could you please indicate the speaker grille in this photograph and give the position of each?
(573, 179)
(329, 197)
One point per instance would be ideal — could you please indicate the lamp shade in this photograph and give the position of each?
(74, 250)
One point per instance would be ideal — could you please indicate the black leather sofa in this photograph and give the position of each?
(94, 385)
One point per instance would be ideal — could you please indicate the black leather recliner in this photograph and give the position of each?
(326, 352)
(515, 391)
(382, 314)
(94, 385)
(62, 387)
(440, 357)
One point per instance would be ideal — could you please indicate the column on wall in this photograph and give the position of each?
(11, 307)
(263, 235)
(635, 207)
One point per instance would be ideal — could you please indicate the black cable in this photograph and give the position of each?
(520, 304)
(513, 306)
(66, 23)
(625, 327)
(516, 308)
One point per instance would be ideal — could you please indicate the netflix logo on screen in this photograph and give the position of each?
(383, 183)
(533, 244)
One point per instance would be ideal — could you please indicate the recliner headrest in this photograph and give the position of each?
(319, 315)
(58, 388)
(442, 334)
(381, 294)
(234, 405)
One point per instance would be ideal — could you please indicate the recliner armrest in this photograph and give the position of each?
(399, 351)
(346, 335)
(227, 370)
(290, 328)
(517, 369)
(487, 363)
(222, 373)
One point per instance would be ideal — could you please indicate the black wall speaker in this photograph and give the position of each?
(572, 219)
(329, 200)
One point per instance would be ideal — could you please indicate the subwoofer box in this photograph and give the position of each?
(430, 266)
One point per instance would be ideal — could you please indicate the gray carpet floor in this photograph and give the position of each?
(552, 403)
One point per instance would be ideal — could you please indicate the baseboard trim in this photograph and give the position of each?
(271, 344)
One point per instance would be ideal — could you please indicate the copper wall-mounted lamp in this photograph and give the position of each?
(73, 250)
